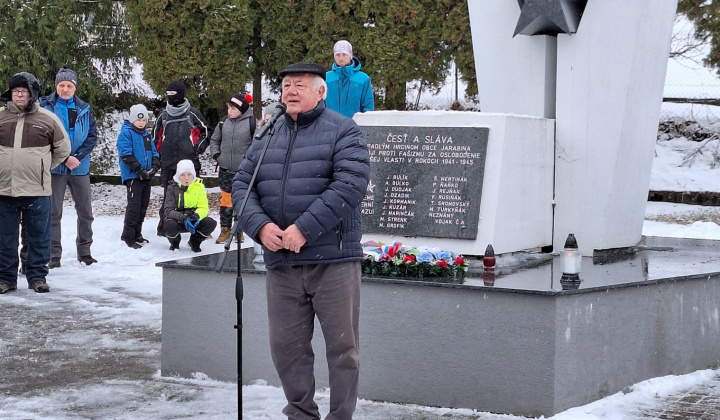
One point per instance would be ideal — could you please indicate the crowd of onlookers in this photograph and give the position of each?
(46, 145)
(300, 184)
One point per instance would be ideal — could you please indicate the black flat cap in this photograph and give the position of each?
(312, 68)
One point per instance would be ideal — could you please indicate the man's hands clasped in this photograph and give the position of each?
(276, 239)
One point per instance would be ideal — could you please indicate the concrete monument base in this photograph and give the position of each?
(527, 345)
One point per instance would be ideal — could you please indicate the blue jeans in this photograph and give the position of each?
(37, 211)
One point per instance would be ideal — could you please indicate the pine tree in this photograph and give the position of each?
(40, 36)
(203, 43)
(218, 46)
(280, 37)
(396, 42)
(706, 17)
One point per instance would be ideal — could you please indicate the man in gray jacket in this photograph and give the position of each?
(305, 210)
(32, 141)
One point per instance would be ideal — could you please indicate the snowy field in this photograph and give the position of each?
(90, 348)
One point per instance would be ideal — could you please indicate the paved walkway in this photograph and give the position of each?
(58, 346)
(700, 403)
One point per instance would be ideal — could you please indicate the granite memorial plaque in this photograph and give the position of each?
(424, 181)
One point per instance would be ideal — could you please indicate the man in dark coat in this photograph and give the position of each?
(304, 208)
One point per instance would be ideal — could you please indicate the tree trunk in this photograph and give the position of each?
(257, 94)
(395, 96)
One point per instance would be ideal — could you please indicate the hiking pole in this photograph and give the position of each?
(235, 233)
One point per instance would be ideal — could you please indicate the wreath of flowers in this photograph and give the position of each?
(396, 260)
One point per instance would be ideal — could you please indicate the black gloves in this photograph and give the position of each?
(216, 156)
(189, 214)
(132, 163)
(192, 217)
(135, 166)
(144, 176)
(155, 167)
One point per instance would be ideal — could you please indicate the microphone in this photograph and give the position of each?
(277, 113)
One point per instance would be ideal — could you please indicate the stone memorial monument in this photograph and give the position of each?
(424, 181)
(570, 92)
(593, 73)
(459, 180)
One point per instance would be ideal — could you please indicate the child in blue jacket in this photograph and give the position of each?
(139, 161)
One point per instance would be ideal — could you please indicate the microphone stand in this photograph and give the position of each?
(235, 232)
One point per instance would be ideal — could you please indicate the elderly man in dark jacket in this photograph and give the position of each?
(305, 210)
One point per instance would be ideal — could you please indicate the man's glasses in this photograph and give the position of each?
(20, 92)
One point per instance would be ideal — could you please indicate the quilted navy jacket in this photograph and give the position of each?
(314, 174)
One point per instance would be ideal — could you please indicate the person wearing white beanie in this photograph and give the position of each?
(186, 208)
(348, 89)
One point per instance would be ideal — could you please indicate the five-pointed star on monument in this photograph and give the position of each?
(548, 17)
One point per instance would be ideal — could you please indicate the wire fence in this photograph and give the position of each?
(450, 95)
(692, 93)
(692, 90)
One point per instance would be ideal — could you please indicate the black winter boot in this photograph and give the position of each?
(174, 243)
(195, 242)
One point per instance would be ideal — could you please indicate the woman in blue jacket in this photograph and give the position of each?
(139, 161)
(349, 90)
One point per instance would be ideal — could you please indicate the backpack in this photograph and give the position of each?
(253, 125)
(165, 121)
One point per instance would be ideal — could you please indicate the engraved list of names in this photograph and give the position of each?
(424, 181)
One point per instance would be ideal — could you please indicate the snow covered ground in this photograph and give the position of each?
(90, 348)
(682, 165)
